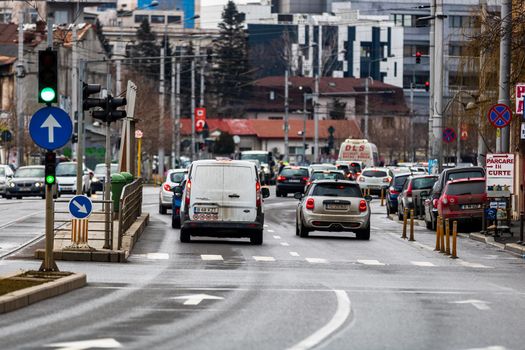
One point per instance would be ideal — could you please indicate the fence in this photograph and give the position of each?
(130, 207)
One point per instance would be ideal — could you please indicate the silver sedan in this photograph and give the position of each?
(332, 205)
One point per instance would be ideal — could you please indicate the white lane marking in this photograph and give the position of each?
(264, 258)
(344, 308)
(157, 256)
(211, 257)
(478, 304)
(265, 225)
(422, 263)
(294, 254)
(370, 262)
(284, 244)
(105, 343)
(271, 231)
(196, 299)
(277, 237)
(474, 265)
(494, 347)
(316, 261)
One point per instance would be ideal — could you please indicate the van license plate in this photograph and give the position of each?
(205, 210)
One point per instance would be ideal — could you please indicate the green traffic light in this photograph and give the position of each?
(50, 179)
(47, 94)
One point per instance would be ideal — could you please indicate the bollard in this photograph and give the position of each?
(447, 237)
(411, 225)
(522, 216)
(442, 236)
(454, 239)
(438, 233)
(405, 219)
(382, 197)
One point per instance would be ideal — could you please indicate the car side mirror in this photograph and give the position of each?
(298, 195)
(265, 192)
(177, 191)
(368, 198)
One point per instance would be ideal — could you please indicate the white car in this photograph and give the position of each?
(223, 199)
(66, 177)
(375, 179)
(6, 174)
(174, 177)
(321, 167)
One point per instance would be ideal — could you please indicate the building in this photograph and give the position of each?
(211, 15)
(190, 9)
(299, 6)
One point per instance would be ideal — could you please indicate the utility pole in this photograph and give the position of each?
(173, 115)
(503, 137)
(411, 148)
(201, 102)
(192, 112)
(366, 104)
(431, 52)
(482, 148)
(161, 114)
(316, 120)
(286, 106)
(177, 114)
(19, 93)
(437, 120)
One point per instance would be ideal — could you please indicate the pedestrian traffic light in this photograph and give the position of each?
(427, 86)
(418, 57)
(50, 166)
(113, 113)
(47, 76)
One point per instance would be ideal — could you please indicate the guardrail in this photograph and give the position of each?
(130, 207)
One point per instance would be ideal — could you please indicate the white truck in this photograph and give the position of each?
(359, 150)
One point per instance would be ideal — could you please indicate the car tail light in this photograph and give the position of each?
(387, 179)
(188, 193)
(167, 187)
(435, 203)
(409, 190)
(281, 178)
(362, 205)
(310, 204)
(305, 179)
(308, 183)
(258, 194)
(393, 190)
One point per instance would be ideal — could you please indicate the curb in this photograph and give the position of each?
(515, 248)
(132, 235)
(24, 297)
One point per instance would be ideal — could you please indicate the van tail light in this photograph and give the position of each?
(409, 190)
(484, 197)
(310, 204)
(166, 187)
(362, 205)
(281, 178)
(188, 193)
(258, 194)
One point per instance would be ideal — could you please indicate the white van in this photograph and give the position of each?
(223, 198)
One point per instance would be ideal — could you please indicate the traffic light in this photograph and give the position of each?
(418, 57)
(113, 113)
(50, 166)
(427, 86)
(90, 102)
(47, 76)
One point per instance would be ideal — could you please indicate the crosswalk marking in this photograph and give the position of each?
(294, 254)
(316, 261)
(211, 257)
(474, 265)
(277, 237)
(285, 244)
(422, 263)
(264, 258)
(370, 262)
(157, 256)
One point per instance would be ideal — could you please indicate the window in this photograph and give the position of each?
(174, 19)
(395, 69)
(336, 190)
(365, 50)
(455, 21)
(455, 50)
(466, 188)
(5, 15)
(158, 19)
(141, 18)
(407, 21)
(388, 122)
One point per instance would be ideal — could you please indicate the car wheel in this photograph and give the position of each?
(20, 197)
(363, 235)
(303, 231)
(185, 236)
(400, 213)
(284, 194)
(296, 227)
(8, 196)
(88, 193)
(162, 210)
(175, 222)
(257, 237)
(388, 212)
(43, 196)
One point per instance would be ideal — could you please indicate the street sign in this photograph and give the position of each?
(200, 113)
(449, 135)
(500, 115)
(80, 207)
(50, 128)
(199, 125)
(138, 134)
(500, 174)
(520, 94)
(490, 213)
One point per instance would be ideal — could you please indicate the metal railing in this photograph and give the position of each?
(130, 207)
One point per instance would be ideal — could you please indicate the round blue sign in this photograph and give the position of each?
(449, 135)
(50, 128)
(500, 115)
(80, 207)
(490, 213)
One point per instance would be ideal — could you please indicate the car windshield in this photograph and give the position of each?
(327, 176)
(336, 190)
(261, 157)
(374, 173)
(66, 169)
(29, 172)
(466, 188)
(177, 177)
(294, 172)
(424, 183)
(100, 169)
(399, 182)
(465, 175)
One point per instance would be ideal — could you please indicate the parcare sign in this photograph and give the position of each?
(520, 94)
(500, 174)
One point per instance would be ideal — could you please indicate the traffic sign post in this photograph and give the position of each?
(449, 135)
(500, 115)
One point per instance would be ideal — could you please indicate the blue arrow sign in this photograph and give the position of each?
(50, 128)
(80, 207)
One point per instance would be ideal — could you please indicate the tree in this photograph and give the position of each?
(102, 38)
(338, 110)
(224, 144)
(232, 77)
(146, 47)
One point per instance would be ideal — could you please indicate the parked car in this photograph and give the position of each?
(176, 203)
(326, 175)
(292, 179)
(28, 181)
(99, 177)
(431, 208)
(375, 179)
(414, 188)
(392, 193)
(173, 178)
(223, 199)
(66, 177)
(463, 200)
(6, 174)
(332, 205)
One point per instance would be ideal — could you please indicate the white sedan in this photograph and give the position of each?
(174, 177)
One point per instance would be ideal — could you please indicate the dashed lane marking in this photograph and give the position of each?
(264, 258)
(474, 265)
(277, 237)
(316, 261)
(294, 254)
(422, 263)
(370, 262)
(271, 231)
(211, 257)
(284, 244)
(157, 256)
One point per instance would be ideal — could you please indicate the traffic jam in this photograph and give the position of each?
(224, 197)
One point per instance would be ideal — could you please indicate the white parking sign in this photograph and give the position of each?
(500, 174)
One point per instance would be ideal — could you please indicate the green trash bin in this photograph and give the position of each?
(127, 176)
(118, 182)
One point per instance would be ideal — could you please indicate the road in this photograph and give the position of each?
(329, 291)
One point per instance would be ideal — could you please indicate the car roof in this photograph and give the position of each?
(222, 162)
(170, 171)
(31, 166)
(423, 176)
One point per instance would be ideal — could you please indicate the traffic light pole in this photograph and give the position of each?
(80, 127)
(107, 188)
(49, 260)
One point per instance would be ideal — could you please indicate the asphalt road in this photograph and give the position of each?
(329, 291)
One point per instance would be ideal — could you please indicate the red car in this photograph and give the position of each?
(463, 200)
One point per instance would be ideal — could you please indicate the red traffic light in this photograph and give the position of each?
(427, 85)
(418, 57)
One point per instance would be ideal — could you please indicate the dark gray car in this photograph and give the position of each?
(413, 189)
(28, 181)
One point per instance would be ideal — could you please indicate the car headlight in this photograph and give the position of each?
(12, 184)
(38, 184)
(95, 179)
